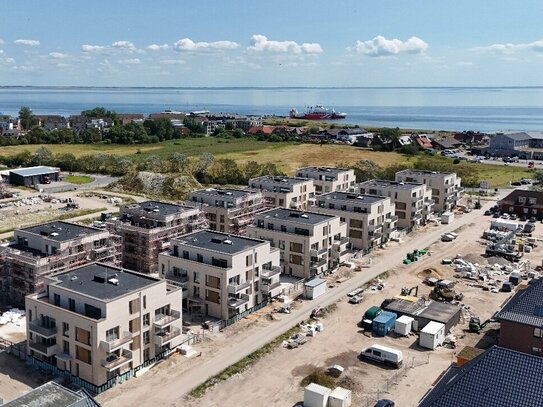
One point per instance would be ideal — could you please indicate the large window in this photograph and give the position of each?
(83, 336)
(82, 354)
(112, 334)
(538, 333)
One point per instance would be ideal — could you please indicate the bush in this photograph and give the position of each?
(320, 377)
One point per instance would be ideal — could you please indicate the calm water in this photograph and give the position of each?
(484, 109)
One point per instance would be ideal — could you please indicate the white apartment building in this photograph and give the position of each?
(413, 201)
(223, 274)
(229, 210)
(328, 179)
(445, 186)
(311, 243)
(98, 321)
(285, 192)
(370, 219)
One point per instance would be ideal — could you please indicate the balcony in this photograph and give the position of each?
(236, 288)
(268, 273)
(238, 302)
(341, 241)
(318, 252)
(114, 361)
(374, 228)
(268, 289)
(162, 338)
(113, 344)
(316, 264)
(164, 320)
(391, 219)
(46, 332)
(376, 236)
(44, 349)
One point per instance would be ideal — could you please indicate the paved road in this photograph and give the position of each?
(174, 386)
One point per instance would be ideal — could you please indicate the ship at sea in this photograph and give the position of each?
(317, 112)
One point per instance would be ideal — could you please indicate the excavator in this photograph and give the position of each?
(406, 291)
(445, 294)
(476, 326)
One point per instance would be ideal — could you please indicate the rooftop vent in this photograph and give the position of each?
(113, 281)
(304, 215)
(228, 241)
(54, 234)
(99, 278)
(73, 278)
(229, 193)
(216, 240)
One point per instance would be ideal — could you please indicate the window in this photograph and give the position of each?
(219, 262)
(134, 325)
(199, 258)
(66, 347)
(65, 329)
(538, 333)
(82, 354)
(144, 301)
(146, 354)
(249, 260)
(146, 319)
(283, 228)
(270, 226)
(92, 311)
(325, 230)
(222, 219)
(71, 304)
(196, 277)
(133, 306)
(536, 351)
(196, 292)
(213, 296)
(282, 244)
(185, 254)
(56, 299)
(83, 336)
(112, 334)
(146, 338)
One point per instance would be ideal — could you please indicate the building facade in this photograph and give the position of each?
(97, 321)
(523, 203)
(285, 192)
(41, 250)
(147, 227)
(328, 179)
(32, 176)
(223, 274)
(446, 186)
(370, 219)
(412, 201)
(311, 243)
(229, 210)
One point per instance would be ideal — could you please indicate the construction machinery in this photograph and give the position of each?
(414, 255)
(440, 293)
(476, 326)
(406, 291)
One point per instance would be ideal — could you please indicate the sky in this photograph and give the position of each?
(271, 43)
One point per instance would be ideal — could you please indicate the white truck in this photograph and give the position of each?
(383, 354)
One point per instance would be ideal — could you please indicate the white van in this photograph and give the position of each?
(383, 354)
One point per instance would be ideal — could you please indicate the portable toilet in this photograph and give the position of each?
(340, 397)
(314, 288)
(432, 335)
(403, 325)
(316, 395)
(383, 323)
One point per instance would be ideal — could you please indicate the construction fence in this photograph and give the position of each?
(227, 322)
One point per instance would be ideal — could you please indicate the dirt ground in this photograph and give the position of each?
(276, 378)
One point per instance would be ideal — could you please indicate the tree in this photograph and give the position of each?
(178, 162)
(91, 136)
(251, 169)
(100, 112)
(43, 156)
(27, 117)
(365, 170)
(161, 128)
(194, 127)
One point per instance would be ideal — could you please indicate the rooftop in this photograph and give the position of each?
(218, 242)
(159, 207)
(49, 394)
(390, 184)
(60, 231)
(30, 171)
(350, 197)
(307, 218)
(482, 382)
(423, 172)
(526, 306)
(439, 311)
(225, 192)
(279, 180)
(512, 198)
(103, 281)
(324, 170)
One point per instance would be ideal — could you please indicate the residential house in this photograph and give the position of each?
(446, 143)
(311, 243)
(523, 203)
(471, 137)
(52, 122)
(424, 141)
(98, 321)
(126, 118)
(526, 144)
(168, 114)
(223, 274)
(328, 179)
(285, 192)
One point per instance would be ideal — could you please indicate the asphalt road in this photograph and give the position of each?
(174, 386)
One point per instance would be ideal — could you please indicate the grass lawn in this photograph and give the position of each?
(78, 179)
(500, 175)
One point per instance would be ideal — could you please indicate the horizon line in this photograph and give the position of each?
(266, 87)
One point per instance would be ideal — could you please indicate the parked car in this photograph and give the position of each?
(355, 299)
(522, 218)
(513, 216)
(384, 403)
(532, 219)
(496, 215)
(488, 213)
(505, 216)
(383, 354)
(516, 183)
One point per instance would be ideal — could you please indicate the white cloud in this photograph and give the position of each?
(157, 47)
(509, 48)
(92, 48)
(260, 43)
(186, 44)
(381, 47)
(9, 60)
(57, 55)
(28, 43)
(173, 62)
(124, 45)
(132, 61)
(116, 47)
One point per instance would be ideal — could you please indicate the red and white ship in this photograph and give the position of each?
(317, 112)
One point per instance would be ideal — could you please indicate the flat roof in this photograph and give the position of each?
(315, 282)
(392, 184)
(218, 241)
(291, 215)
(328, 170)
(159, 207)
(49, 394)
(421, 172)
(439, 311)
(92, 280)
(280, 179)
(30, 171)
(60, 231)
(433, 327)
(225, 192)
(350, 197)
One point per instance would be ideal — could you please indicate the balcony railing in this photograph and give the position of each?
(166, 319)
(163, 338)
(268, 288)
(238, 302)
(374, 228)
(46, 332)
(391, 219)
(273, 271)
(114, 362)
(341, 241)
(113, 344)
(46, 350)
(319, 263)
(236, 288)
(318, 252)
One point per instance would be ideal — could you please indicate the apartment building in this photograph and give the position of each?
(41, 250)
(97, 321)
(370, 219)
(147, 227)
(229, 210)
(285, 192)
(445, 186)
(223, 274)
(311, 243)
(412, 200)
(328, 179)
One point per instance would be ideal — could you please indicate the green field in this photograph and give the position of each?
(78, 179)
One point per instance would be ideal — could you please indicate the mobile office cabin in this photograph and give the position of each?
(432, 335)
(403, 325)
(340, 397)
(316, 395)
(383, 354)
(384, 323)
(314, 288)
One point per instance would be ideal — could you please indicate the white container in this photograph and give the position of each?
(314, 288)
(340, 397)
(432, 335)
(403, 325)
(447, 217)
(316, 395)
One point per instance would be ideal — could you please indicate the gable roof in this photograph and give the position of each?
(447, 142)
(512, 198)
(498, 378)
(526, 306)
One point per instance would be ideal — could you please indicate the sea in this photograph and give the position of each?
(485, 109)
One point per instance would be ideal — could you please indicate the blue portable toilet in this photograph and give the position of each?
(384, 323)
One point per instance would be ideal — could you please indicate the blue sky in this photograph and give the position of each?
(271, 43)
